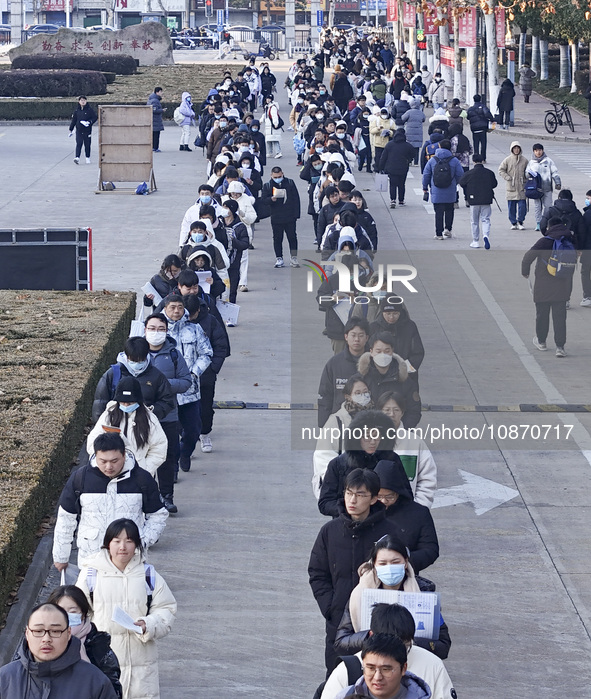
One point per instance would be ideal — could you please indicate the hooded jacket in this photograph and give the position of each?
(479, 185)
(442, 195)
(331, 240)
(151, 455)
(512, 170)
(211, 250)
(218, 339)
(506, 95)
(331, 500)
(546, 169)
(526, 75)
(408, 343)
(413, 522)
(186, 109)
(337, 371)
(137, 653)
(66, 677)
(568, 212)
(416, 688)
(396, 378)
(547, 288)
(413, 123)
(156, 390)
(101, 500)
(397, 156)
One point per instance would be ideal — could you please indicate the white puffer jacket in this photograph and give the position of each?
(151, 455)
(136, 652)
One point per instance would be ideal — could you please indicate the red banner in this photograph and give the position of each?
(467, 27)
(409, 15)
(55, 5)
(501, 28)
(429, 20)
(446, 56)
(392, 11)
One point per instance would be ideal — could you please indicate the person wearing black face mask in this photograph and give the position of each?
(280, 195)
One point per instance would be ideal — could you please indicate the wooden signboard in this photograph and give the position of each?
(125, 148)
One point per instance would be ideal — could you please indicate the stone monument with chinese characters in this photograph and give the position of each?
(149, 42)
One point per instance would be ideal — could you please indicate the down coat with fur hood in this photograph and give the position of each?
(137, 652)
(396, 379)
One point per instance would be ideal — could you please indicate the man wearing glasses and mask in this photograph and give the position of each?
(49, 663)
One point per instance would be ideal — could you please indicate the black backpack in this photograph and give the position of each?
(442, 176)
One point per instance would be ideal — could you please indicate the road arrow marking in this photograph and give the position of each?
(483, 493)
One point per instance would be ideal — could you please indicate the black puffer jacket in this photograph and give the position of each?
(568, 212)
(479, 184)
(66, 677)
(479, 115)
(331, 500)
(337, 371)
(81, 114)
(99, 651)
(397, 156)
(548, 289)
(341, 546)
(218, 338)
(367, 221)
(396, 378)
(408, 343)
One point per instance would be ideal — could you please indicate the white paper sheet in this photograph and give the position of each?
(424, 607)
(147, 288)
(246, 172)
(342, 309)
(123, 619)
(228, 311)
(206, 286)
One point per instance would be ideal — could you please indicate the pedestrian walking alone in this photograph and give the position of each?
(479, 184)
(395, 161)
(526, 74)
(512, 170)
(551, 292)
(505, 103)
(157, 124)
(281, 195)
(82, 120)
(186, 109)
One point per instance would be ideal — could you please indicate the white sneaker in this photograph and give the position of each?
(568, 305)
(88, 161)
(279, 155)
(586, 302)
(474, 244)
(293, 261)
(243, 287)
(514, 226)
(76, 161)
(520, 227)
(446, 233)
(560, 352)
(279, 263)
(206, 446)
(539, 345)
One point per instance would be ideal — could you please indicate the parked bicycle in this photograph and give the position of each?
(559, 115)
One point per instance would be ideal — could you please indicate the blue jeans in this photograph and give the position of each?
(517, 210)
(190, 419)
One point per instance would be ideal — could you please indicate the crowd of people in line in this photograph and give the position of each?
(372, 475)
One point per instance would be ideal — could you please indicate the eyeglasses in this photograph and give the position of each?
(53, 633)
(387, 499)
(351, 495)
(384, 670)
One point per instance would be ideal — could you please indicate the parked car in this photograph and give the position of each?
(43, 29)
(102, 28)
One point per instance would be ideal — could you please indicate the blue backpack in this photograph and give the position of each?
(533, 187)
(142, 188)
(563, 260)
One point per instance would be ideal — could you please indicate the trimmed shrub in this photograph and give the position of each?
(109, 77)
(50, 363)
(51, 83)
(47, 109)
(122, 65)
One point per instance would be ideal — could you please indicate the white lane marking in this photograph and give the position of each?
(483, 493)
(552, 395)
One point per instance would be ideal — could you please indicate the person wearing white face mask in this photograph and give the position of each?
(357, 398)
(139, 428)
(95, 645)
(384, 371)
(206, 198)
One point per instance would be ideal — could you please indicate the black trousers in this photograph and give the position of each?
(397, 184)
(82, 138)
(234, 276)
(443, 212)
(585, 260)
(155, 140)
(364, 158)
(289, 228)
(479, 138)
(505, 118)
(558, 309)
(167, 470)
(207, 412)
(378, 157)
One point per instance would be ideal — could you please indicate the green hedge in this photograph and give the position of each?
(49, 369)
(122, 65)
(48, 109)
(51, 83)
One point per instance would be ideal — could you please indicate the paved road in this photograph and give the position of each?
(514, 579)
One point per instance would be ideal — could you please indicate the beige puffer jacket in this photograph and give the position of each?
(512, 170)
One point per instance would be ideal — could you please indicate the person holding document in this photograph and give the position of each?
(132, 603)
(280, 195)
